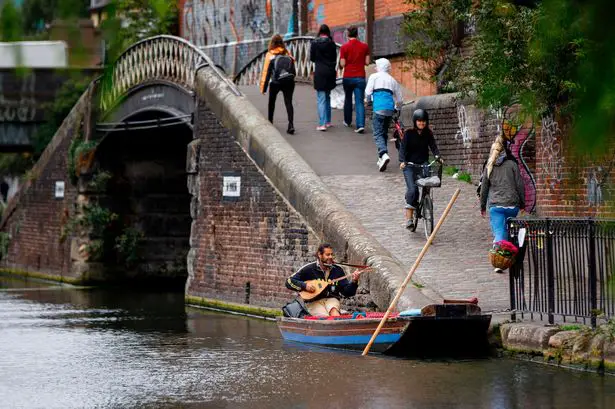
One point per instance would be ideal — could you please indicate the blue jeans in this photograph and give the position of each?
(354, 86)
(497, 219)
(411, 174)
(380, 125)
(323, 98)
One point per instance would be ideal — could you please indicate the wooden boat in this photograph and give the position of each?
(437, 330)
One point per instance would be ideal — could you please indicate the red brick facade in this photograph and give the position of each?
(258, 238)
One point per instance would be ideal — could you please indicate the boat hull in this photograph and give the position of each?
(353, 334)
(443, 330)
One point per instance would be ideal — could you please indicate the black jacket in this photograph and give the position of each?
(324, 53)
(312, 271)
(415, 147)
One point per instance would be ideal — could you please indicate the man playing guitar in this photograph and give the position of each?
(314, 282)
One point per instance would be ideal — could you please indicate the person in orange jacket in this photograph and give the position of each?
(279, 75)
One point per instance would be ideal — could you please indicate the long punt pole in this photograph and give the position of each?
(411, 272)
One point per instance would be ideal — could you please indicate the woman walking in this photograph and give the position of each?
(502, 188)
(324, 54)
(279, 75)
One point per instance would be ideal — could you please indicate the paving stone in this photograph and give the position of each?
(457, 264)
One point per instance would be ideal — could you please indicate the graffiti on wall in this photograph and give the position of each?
(468, 120)
(234, 32)
(522, 148)
(551, 155)
(18, 104)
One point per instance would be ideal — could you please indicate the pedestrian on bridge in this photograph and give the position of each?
(279, 75)
(386, 96)
(354, 56)
(323, 54)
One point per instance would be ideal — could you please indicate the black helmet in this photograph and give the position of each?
(418, 115)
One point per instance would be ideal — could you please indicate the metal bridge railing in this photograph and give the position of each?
(159, 58)
(299, 48)
(564, 269)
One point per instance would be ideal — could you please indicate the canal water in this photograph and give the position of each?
(63, 347)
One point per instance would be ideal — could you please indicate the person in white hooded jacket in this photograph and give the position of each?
(386, 96)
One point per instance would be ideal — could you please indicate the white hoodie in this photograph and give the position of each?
(384, 88)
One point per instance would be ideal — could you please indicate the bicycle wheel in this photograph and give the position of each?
(415, 219)
(428, 215)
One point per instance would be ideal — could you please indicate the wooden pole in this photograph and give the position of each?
(411, 272)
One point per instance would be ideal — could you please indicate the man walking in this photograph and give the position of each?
(354, 56)
(386, 95)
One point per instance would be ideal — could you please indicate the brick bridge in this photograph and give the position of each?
(167, 172)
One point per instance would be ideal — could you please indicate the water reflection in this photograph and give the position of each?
(65, 348)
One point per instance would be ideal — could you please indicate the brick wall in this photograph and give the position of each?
(572, 185)
(34, 218)
(258, 238)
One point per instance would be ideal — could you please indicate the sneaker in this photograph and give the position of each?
(498, 270)
(360, 130)
(290, 130)
(328, 125)
(383, 162)
(321, 128)
(409, 224)
(346, 125)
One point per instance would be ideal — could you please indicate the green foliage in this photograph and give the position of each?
(571, 327)
(450, 170)
(554, 58)
(15, 164)
(95, 250)
(433, 31)
(133, 20)
(465, 176)
(5, 240)
(127, 245)
(38, 14)
(100, 180)
(10, 23)
(56, 111)
(97, 219)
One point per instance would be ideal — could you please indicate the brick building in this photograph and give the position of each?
(233, 33)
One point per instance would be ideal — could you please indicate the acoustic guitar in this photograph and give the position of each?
(321, 284)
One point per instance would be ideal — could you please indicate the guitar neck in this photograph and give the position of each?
(367, 270)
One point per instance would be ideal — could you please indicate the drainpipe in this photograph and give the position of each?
(369, 35)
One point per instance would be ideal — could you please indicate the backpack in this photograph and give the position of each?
(283, 69)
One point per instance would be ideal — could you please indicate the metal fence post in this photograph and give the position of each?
(550, 272)
(593, 285)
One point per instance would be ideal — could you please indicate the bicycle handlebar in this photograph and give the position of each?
(423, 165)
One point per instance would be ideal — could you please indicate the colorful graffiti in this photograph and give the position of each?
(523, 148)
(233, 32)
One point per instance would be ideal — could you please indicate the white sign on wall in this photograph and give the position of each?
(59, 191)
(231, 186)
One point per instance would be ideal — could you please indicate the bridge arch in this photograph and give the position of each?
(142, 125)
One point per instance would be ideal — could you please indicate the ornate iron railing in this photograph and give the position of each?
(159, 58)
(564, 269)
(299, 48)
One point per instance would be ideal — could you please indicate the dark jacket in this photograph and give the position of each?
(415, 147)
(504, 187)
(312, 271)
(324, 53)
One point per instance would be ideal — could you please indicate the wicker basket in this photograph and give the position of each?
(499, 261)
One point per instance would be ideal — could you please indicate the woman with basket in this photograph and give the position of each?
(503, 192)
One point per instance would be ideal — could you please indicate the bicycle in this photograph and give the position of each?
(431, 176)
(398, 129)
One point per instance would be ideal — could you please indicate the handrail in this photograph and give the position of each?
(162, 57)
(298, 47)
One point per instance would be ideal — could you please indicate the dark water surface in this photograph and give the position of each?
(62, 347)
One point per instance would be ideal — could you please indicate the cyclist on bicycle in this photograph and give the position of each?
(414, 148)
